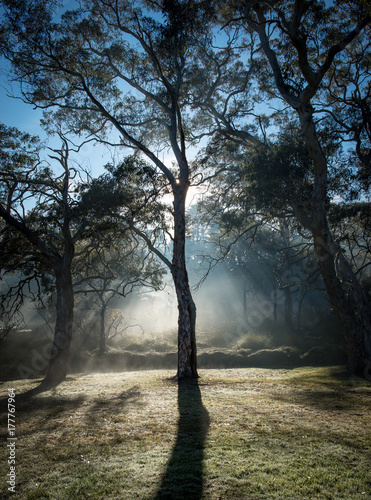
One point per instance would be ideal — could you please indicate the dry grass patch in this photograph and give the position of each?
(238, 434)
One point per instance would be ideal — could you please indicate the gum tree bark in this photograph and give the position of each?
(187, 353)
(348, 299)
(59, 355)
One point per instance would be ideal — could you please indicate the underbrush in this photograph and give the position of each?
(255, 341)
(25, 354)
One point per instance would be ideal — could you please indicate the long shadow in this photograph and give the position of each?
(43, 415)
(183, 478)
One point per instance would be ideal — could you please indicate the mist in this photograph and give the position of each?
(241, 321)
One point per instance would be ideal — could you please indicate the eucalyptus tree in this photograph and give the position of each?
(121, 72)
(113, 265)
(39, 232)
(295, 47)
(311, 37)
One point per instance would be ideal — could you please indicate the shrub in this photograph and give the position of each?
(254, 341)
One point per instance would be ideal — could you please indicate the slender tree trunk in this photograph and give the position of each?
(348, 300)
(288, 314)
(275, 305)
(187, 352)
(59, 355)
(300, 310)
(244, 298)
(102, 330)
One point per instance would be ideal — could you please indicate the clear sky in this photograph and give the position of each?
(14, 112)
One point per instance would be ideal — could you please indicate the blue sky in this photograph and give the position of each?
(14, 112)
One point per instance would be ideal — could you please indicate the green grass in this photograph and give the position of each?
(237, 434)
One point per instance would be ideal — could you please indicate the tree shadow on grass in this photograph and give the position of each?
(44, 415)
(323, 400)
(114, 405)
(183, 478)
(57, 412)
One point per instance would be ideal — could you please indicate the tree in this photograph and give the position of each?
(311, 61)
(116, 69)
(300, 42)
(348, 103)
(40, 234)
(113, 266)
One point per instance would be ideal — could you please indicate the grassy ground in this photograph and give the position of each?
(247, 433)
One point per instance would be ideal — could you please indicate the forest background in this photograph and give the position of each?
(205, 164)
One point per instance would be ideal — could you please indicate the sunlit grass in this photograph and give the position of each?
(272, 434)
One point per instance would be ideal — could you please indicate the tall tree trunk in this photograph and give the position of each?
(300, 310)
(348, 300)
(289, 324)
(59, 356)
(288, 314)
(275, 305)
(187, 352)
(102, 329)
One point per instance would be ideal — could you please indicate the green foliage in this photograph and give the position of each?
(129, 194)
(19, 155)
(102, 197)
(279, 175)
